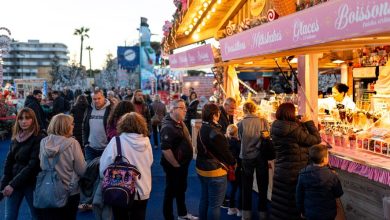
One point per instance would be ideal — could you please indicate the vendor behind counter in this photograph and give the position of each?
(338, 100)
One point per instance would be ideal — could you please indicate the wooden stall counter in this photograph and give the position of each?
(365, 178)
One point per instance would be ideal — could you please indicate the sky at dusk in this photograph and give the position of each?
(112, 23)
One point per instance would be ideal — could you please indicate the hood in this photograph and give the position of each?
(251, 116)
(319, 173)
(105, 105)
(283, 128)
(30, 99)
(137, 141)
(53, 143)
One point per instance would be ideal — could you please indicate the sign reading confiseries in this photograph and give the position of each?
(331, 21)
(199, 56)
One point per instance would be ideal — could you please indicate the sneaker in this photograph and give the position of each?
(239, 213)
(225, 204)
(232, 211)
(187, 217)
(85, 207)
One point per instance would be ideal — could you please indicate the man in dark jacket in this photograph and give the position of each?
(34, 102)
(59, 105)
(142, 108)
(227, 113)
(94, 134)
(177, 154)
(94, 126)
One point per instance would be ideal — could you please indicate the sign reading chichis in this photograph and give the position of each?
(199, 56)
(330, 21)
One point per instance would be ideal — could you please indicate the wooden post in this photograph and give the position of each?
(350, 81)
(308, 77)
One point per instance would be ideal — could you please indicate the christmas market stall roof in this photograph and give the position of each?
(254, 33)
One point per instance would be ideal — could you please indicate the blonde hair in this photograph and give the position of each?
(28, 113)
(61, 124)
(132, 123)
(232, 131)
(249, 107)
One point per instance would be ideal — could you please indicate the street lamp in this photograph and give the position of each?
(89, 48)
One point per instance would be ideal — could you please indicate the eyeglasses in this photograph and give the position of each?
(182, 108)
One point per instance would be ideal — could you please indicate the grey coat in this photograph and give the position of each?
(249, 132)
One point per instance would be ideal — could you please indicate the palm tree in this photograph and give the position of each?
(89, 48)
(82, 32)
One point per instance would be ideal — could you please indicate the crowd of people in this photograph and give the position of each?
(80, 135)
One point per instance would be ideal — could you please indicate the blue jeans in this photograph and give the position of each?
(212, 195)
(13, 203)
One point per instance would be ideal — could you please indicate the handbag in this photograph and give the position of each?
(155, 120)
(230, 169)
(265, 146)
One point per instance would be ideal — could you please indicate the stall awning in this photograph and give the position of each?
(331, 21)
(255, 75)
(194, 58)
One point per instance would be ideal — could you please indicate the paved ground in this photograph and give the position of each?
(154, 209)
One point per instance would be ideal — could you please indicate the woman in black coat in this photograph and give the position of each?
(192, 111)
(22, 164)
(292, 140)
(78, 111)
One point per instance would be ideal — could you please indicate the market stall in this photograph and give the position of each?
(312, 35)
(346, 35)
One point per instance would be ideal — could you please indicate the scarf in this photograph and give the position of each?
(23, 136)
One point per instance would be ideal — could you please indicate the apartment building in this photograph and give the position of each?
(32, 59)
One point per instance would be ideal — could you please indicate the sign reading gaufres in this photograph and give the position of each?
(199, 56)
(330, 21)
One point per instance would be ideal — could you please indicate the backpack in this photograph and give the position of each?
(49, 191)
(119, 181)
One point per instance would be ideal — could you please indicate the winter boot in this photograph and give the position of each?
(246, 215)
(263, 216)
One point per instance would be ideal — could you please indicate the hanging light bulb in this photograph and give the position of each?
(191, 26)
(186, 32)
(205, 4)
(213, 9)
(200, 12)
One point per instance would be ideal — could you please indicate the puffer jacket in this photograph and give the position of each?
(22, 163)
(291, 141)
(317, 191)
(212, 139)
